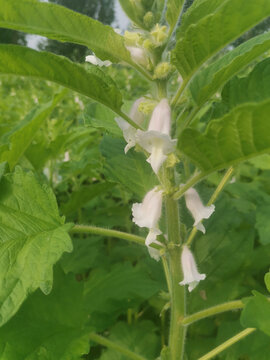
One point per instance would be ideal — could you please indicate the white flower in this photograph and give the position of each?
(138, 55)
(156, 140)
(158, 145)
(93, 59)
(147, 213)
(197, 209)
(67, 157)
(129, 132)
(152, 239)
(191, 275)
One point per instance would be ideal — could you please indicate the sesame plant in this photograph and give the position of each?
(117, 239)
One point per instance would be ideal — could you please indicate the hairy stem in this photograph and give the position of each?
(231, 305)
(177, 292)
(227, 344)
(88, 229)
(191, 182)
(112, 345)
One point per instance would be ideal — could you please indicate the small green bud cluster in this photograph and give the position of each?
(163, 70)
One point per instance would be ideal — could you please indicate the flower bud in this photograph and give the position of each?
(163, 70)
(149, 19)
(159, 34)
(138, 55)
(191, 275)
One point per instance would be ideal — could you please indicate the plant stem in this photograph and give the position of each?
(112, 345)
(178, 94)
(88, 229)
(213, 198)
(177, 292)
(227, 344)
(231, 305)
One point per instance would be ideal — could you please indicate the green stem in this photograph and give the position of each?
(227, 344)
(177, 292)
(112, 345)
(213, 198)
(129, 120)
(231, 305)
(142, 71)
(196, 178)
(179, 93)
(88, 229)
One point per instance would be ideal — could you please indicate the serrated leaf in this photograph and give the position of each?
(203, 40)
(197, 11)
(33, 238)
(48, 327)
(256, 313)
(131, 169)
(60, 23)
(91, 82)
(240, 135)
(174, 8)
(139, 338)
(20, 137)
(208, 81)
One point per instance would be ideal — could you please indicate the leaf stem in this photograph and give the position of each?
(89, 229)
(228, 343)
(231, 305)
(196, 178)
(179, 93)
(112, 345)
(213, 198)
(129, 120)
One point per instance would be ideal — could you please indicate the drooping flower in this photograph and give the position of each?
(197, 209)
(191, 275)
(129, 132)
(93, 59)
(156, 140)
(147, 214)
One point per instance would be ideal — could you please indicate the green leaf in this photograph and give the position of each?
(48, 327)
(134, 11)
(131, 170)
(199, 44)
(33, 238)
(240, 135)
(100, 117)
(267, 281)
(256, 313)
(86, 193)
(22, 135)
(208, 81)
(262, 223)
(139, 338)
(174, 8)
(91, 82)
(59, 23)
(197, 11)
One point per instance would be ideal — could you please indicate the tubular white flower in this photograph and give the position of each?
(191, 275)
(197, 209)
(156, 140)
(147, 213)
(158, 145)
(93, 59)
(129, 132)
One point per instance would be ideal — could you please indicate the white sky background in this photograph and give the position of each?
(121, 21)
